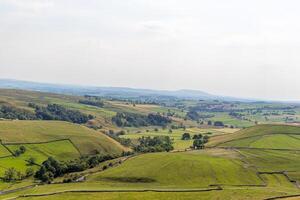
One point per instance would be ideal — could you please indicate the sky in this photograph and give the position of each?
(241, 48)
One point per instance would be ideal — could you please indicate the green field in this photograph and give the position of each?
(257, 162)
(273, 160)
(180, 170)
(261, 136)
(60, 150)
(86, 140)
(187, 172)
(278, 141)
(4, 152)
(176, 135)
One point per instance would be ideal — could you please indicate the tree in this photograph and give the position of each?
(11, 174)
(218, 123)
(22, 149)
(199, 136)
(198, 144)
(29, 172)
(186, 136)
(31, 161)
(205, 139)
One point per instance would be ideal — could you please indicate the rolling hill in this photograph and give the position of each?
(261, 136)
(86, 140)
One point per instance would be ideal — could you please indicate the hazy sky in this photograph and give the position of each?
(244, 48)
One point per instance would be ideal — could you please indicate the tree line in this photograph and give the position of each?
(49, 112)
(137, 120)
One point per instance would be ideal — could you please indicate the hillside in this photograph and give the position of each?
(261, 136)
(86, 140)
(180, 170)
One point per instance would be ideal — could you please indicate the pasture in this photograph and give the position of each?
(86, 140)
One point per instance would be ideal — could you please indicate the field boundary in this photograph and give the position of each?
(282, 197)
(45, 142)
(124, 190)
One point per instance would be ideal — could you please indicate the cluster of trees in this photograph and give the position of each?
(11, 174)
(137, 120)
(19, 151)
(155, 144)
(10, 112)
(216, 123)
(50, 112)
(52, 168)
(97, 103)
(58, 112)
(199, 140)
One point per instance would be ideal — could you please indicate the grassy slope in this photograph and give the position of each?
(173, 170)
(61, 150)
(255, 131)
(3, 151)
(85, 139)
(180, 170)
(273, 160)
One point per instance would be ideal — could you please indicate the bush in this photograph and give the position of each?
(31, 161)
(186, 136)
(218, 123)
(11, 174)
(29, 172)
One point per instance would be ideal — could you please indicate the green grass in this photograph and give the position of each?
(60, 150)
(278, 141)
(11, 162)
(277, 180)
(176, 135)
(294, 175)
(227, 119)
(246, 136)
(85, 139)
(3, 151)
(230, 194)
(180, 170)
(273, 160)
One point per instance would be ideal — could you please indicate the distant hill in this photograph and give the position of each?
(107, 91)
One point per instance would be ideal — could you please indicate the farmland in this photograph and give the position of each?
(247, 156)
